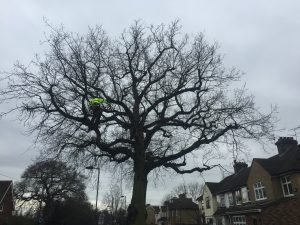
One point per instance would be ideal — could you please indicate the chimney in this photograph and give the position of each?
(183, 195)
(285, 143)
(239, 166)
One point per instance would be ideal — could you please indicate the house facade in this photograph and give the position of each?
(209, 201)
(266, 193)
(161, 216)
(232, 193)
(152, 212)
(182, 211)
(6, 200)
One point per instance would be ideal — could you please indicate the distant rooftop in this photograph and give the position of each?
(182, 202)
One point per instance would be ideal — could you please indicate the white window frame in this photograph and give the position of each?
(259, 191)
(245, 194)
(286, 181)
(239, 220)
(230, 199)
(238, 197)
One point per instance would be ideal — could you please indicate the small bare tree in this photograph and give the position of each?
(193, 190)
(112, 199)
(146, 100)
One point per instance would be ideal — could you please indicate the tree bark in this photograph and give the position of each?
(48, 212)
(137, 208)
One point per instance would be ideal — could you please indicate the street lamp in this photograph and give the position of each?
(95, 168)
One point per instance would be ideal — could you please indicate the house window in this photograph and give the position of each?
(238, 197)
(222, 201)
(207, 202)
(239, 220)
(287, 187)
(1, 208)
(259, 190)
(245, 196)
(230, 197)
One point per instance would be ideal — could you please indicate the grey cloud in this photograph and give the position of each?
(258, 37)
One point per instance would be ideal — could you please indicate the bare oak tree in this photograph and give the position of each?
(165, 96)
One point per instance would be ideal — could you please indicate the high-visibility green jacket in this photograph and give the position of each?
(97, 101)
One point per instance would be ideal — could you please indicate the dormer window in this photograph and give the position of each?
(222, 200)
(245, 196)
(238, 197)
(287, 186)
(230, 197)
(260, 191)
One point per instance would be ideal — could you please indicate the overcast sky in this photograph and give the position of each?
(259, 37)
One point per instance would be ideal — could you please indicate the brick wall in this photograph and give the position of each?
(258, 173)
(286, 212)
(184, 216)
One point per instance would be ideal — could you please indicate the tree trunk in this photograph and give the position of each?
(48, 212)
(137, 208)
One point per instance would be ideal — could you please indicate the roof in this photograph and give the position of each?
(286, 161)
(182, 203)
(231, 182)
(200, 198)
(163, 208)
(213, 187)
(154, 207)
(282, 163)
(234, 181)
(4, 187)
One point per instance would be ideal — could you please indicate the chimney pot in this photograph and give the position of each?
(285, 143)
(239, 166)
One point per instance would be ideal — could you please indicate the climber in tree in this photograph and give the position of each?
(96, 108)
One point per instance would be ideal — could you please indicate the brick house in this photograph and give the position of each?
(6, 200)
(274, 185)
(266, 193)
(232, 193)
(182, 211)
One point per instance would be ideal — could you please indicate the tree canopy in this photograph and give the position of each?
(47, 182)
(168, 96)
